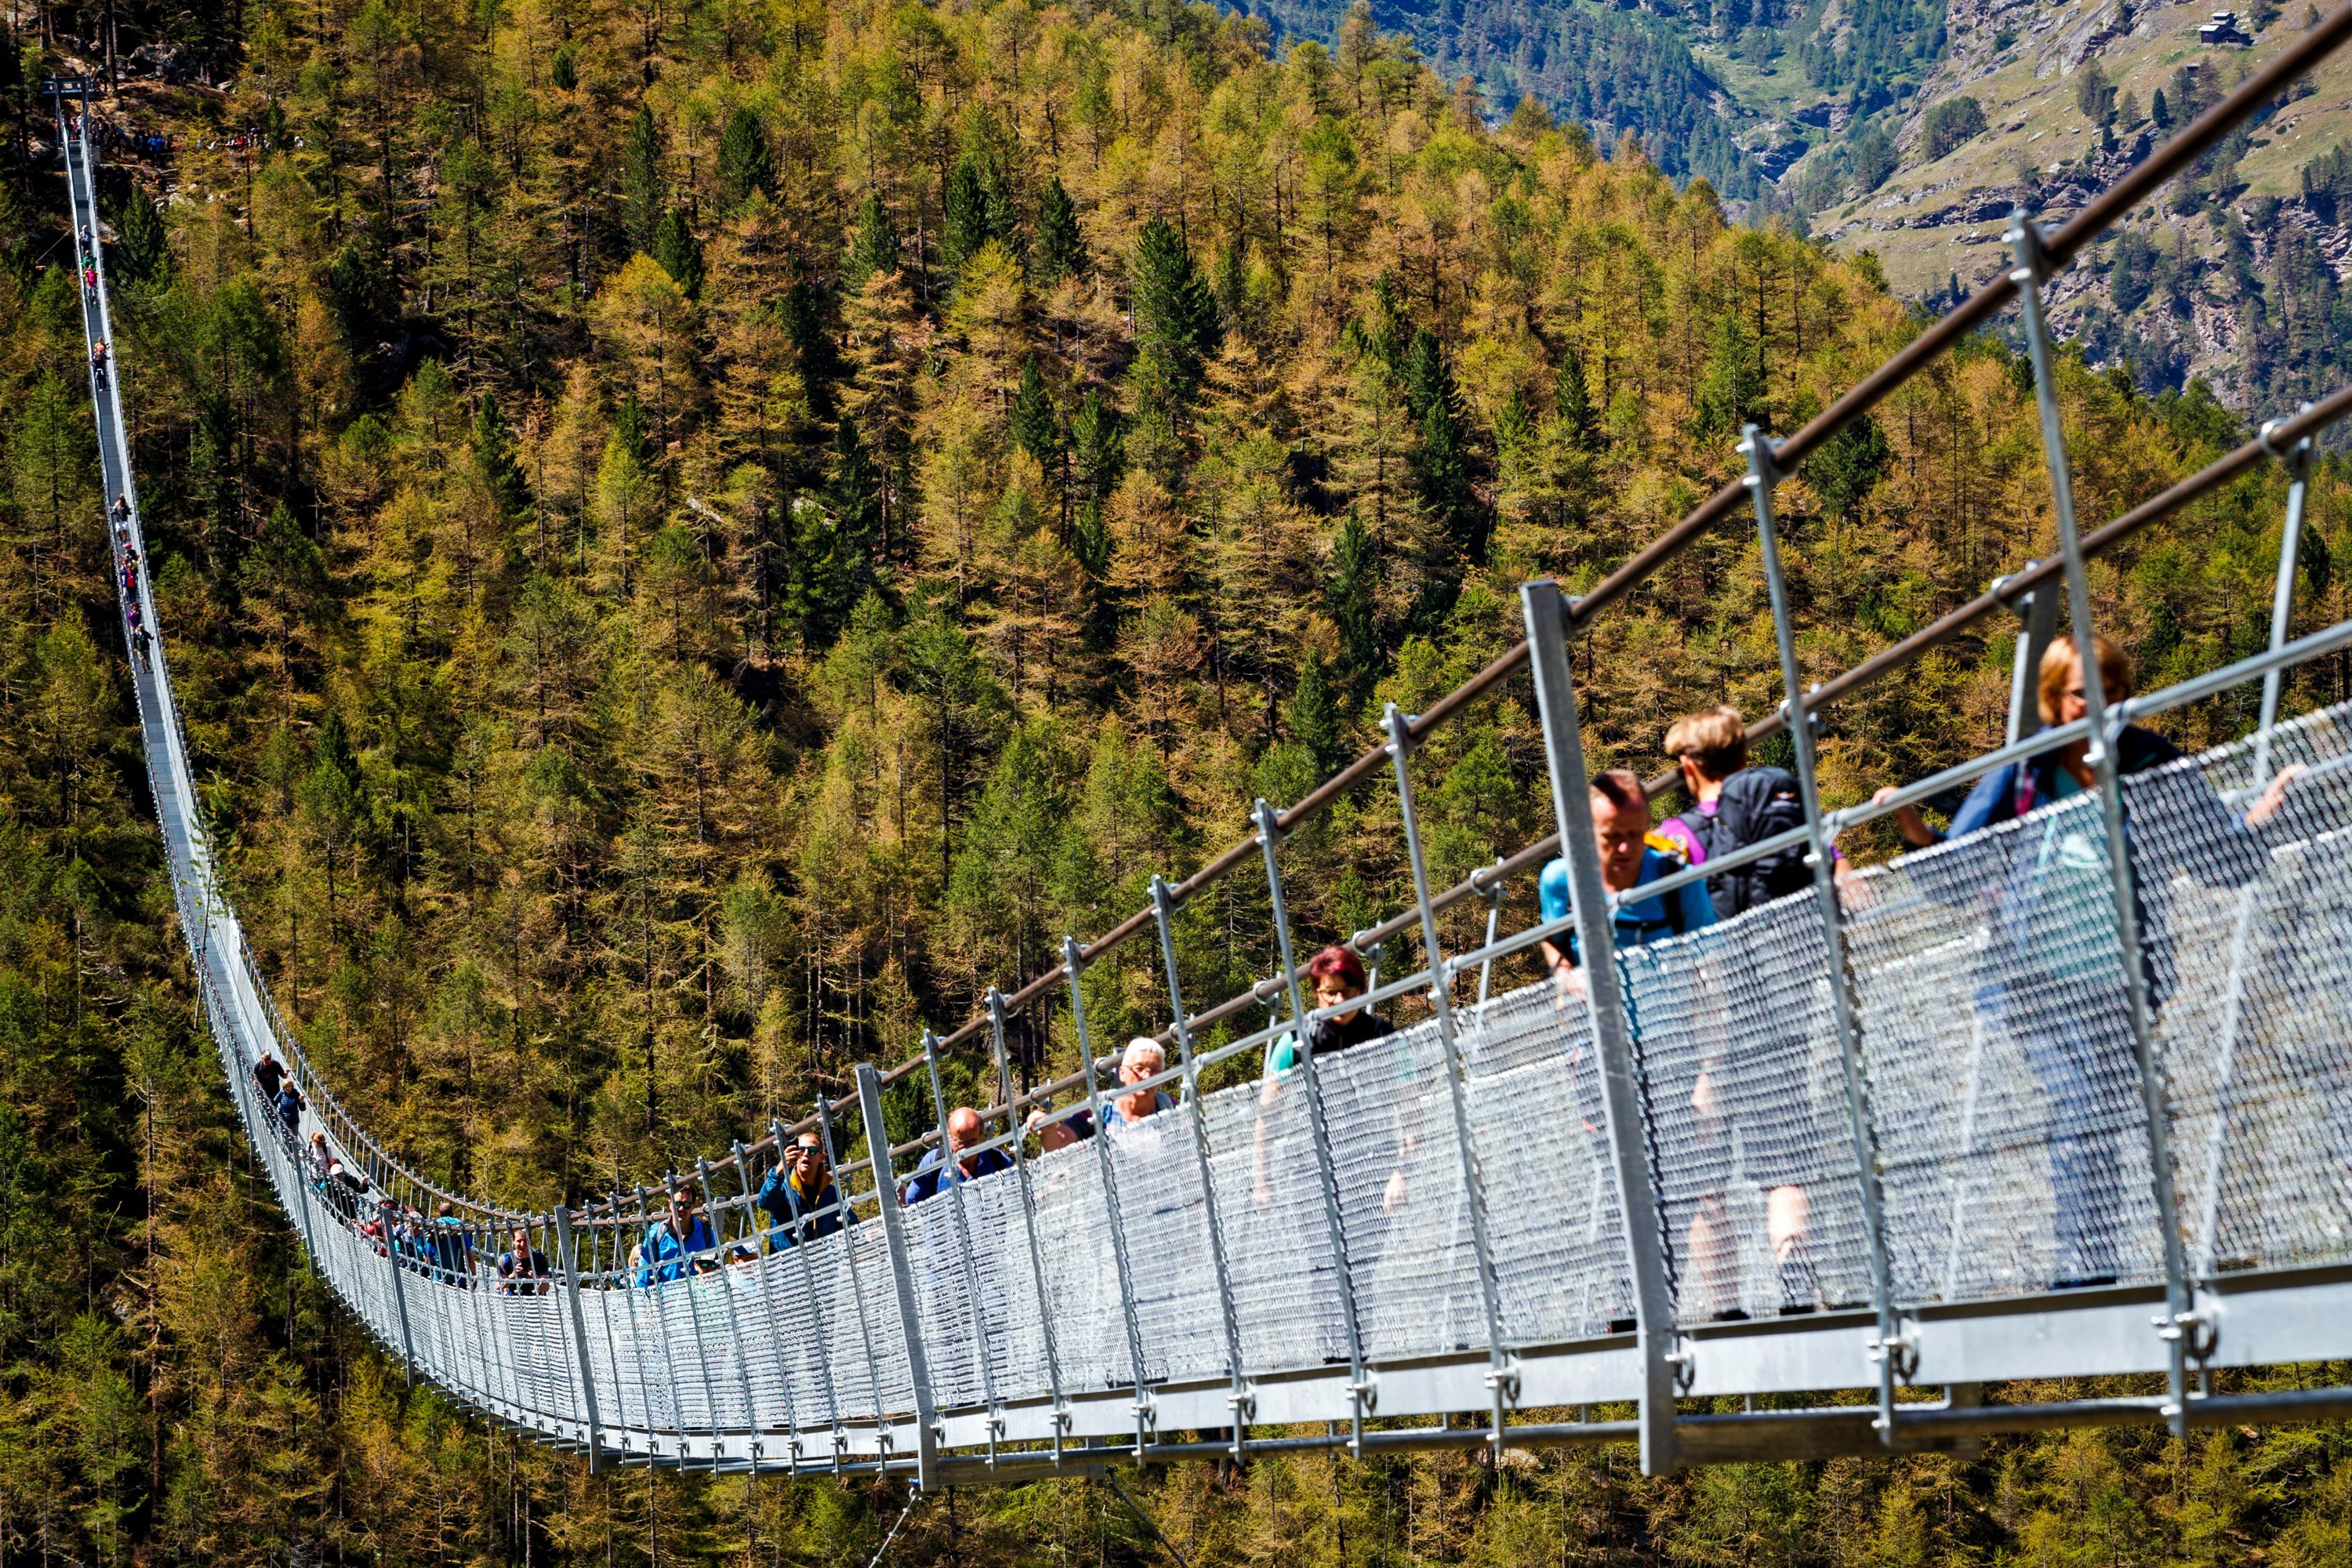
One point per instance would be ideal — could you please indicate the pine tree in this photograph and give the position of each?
(1313, 720)
(1515, 426)
(143, 243)
(1731, 393)
(679, 252)
(745, 163)
(1037, 427)
(1098, 454)
(964, 225)
(856, 494)
(494, 452)
(1061, 250)
(641, 186)
(1573, 401)
(1442, 462)
(875, 248)
(1176, 325)
(1355, 571)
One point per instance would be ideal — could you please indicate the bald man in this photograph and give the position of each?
(965, 1131)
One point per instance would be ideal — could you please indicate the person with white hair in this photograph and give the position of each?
(1144, 1057)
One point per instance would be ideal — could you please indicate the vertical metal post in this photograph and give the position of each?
(1145, 1418)
(1244, 1402)
(628, 1292)
(1612, 1035)
(902, 1274)
(1061, 1416)
(644, 1279)
(2037, 618)
(1361, 1392)
(567, 1258)
(1494, 924)
(694, 1321)
(1893, 1350)
(2209, 1197)
(799, 1243)
(952, 1178)
(725, 1276)
(857, 1279)
(384, 1210)
(768, 1305)
(2298, 469)
(1502, 1368)
(2025, 239)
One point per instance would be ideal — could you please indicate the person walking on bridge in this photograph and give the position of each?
(799, 1196)
(2052, 974)
(672, 1244)
(935, 1176)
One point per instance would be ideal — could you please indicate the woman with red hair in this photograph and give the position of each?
(1333, 975)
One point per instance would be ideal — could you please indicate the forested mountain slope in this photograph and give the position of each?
(695, 537)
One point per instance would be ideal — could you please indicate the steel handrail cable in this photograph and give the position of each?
(200, 883)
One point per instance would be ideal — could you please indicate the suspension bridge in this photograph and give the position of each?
(2119, 1028)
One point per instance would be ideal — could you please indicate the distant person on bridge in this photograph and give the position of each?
(453, 1249)
(290, 1108)
(965, 1129)
(140, 639)
(1734, 803)
(2053, 973)
(800, 1197)
(523, 1268)
(268, 1074)
(1334, 977)
(671, 1243)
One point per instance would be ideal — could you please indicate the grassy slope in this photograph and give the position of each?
(1914, 221)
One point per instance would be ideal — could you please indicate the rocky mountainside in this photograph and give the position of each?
(1913, 128)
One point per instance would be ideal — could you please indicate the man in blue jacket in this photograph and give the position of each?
(965, 1129)
(672, 1244)
(800, 1196)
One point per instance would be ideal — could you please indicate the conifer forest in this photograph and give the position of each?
(698, 535)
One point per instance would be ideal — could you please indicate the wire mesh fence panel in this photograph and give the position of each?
(710, 1342)
(2249, 938)
(759, 1348)
(1174, 1275)
(1402, 1200)
(1996, 1031)
(1553, 1218)
(999, 1244)
(807, 1349)
(936, 1256)
(894, 1377)
(836, 1298)
(1278, 1234)
(1745, 1082)
(1081, 1273)
(538, 1337)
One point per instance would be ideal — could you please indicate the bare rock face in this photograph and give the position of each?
(161, 61)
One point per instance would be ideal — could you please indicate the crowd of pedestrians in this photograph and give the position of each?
(2075, 1038)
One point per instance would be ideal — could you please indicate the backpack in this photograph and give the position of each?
(1756, 803)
